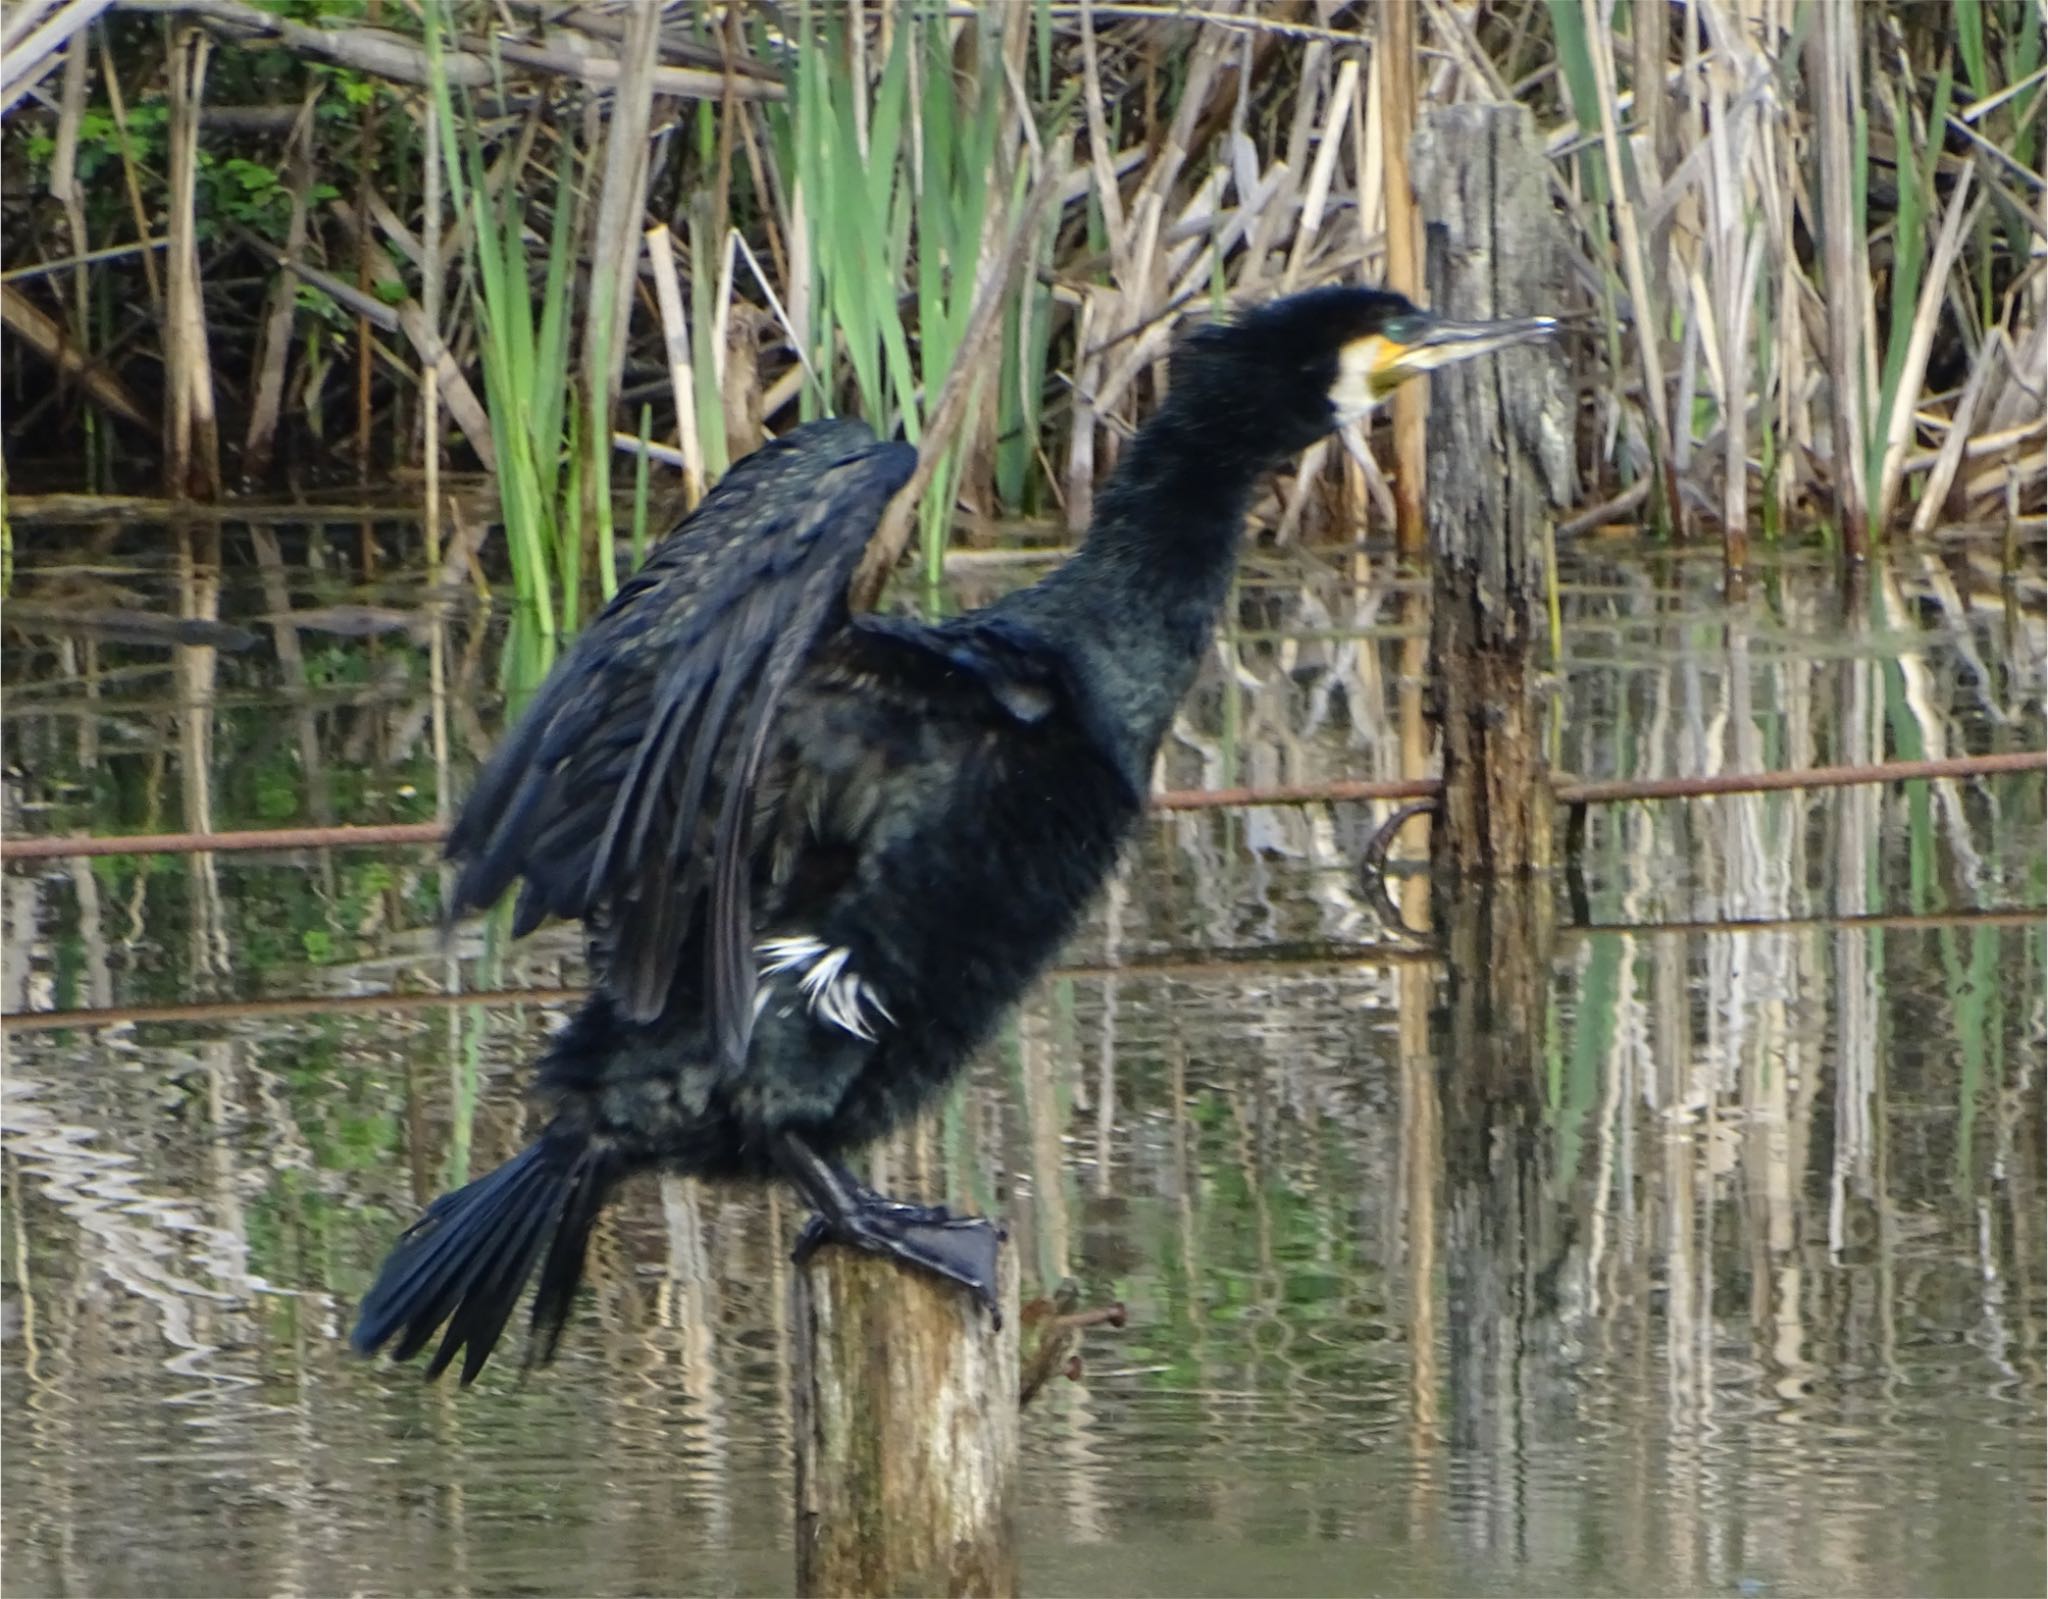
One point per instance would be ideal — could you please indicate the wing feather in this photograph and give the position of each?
(626, 791)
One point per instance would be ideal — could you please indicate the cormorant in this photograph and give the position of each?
(819, 855)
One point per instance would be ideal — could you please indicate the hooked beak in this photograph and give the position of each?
(1439, 341)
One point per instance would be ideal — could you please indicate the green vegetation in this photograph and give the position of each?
(979, 229)
(524, 353)
(905, 179)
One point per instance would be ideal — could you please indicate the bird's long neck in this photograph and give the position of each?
(1137, 605)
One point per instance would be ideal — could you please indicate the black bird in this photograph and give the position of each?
(819, 855)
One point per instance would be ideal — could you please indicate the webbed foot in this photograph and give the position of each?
(930, 1238)
(961, 1249)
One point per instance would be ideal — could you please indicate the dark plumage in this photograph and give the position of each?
(820, 855)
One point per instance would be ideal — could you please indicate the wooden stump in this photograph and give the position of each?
(1503, 1238)
(906, 1431)
(1500, 458)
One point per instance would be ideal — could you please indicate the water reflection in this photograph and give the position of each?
(1633, 1261)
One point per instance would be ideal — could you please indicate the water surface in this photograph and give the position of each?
(1705, 1259)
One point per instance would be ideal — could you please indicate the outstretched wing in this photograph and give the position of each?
(623, 796)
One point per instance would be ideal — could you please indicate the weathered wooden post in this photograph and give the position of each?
(1502, 1238)
(1500, 457)
(906, 1431)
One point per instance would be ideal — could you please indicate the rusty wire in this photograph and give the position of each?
(1188, 966)
(1603, 792)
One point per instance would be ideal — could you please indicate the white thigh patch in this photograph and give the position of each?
(834, 992)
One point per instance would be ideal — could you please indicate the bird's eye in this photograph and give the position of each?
(1402, 329)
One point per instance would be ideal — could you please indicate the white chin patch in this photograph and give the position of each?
(1352, 396)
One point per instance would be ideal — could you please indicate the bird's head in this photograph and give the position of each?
(1289, 372)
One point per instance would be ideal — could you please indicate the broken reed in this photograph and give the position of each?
(980, 227)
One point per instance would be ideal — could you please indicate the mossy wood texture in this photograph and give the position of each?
(1500, 458)
(906, 1432)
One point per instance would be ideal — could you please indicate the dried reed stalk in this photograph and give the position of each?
(191, 446)
(31, 34)
(1942, 472)
(1635, 266)
(1926, 318)
(273, 344)
(28, 322)
(407, 317)
(1396, 48)
(1831, 55)
(675, 326)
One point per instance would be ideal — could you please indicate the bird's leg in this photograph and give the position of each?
(901, 1210)
(961, 1249)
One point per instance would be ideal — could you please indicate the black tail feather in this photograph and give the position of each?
(564, 1269)
(465, 1261)
(489, 1298)
(435, 1263)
